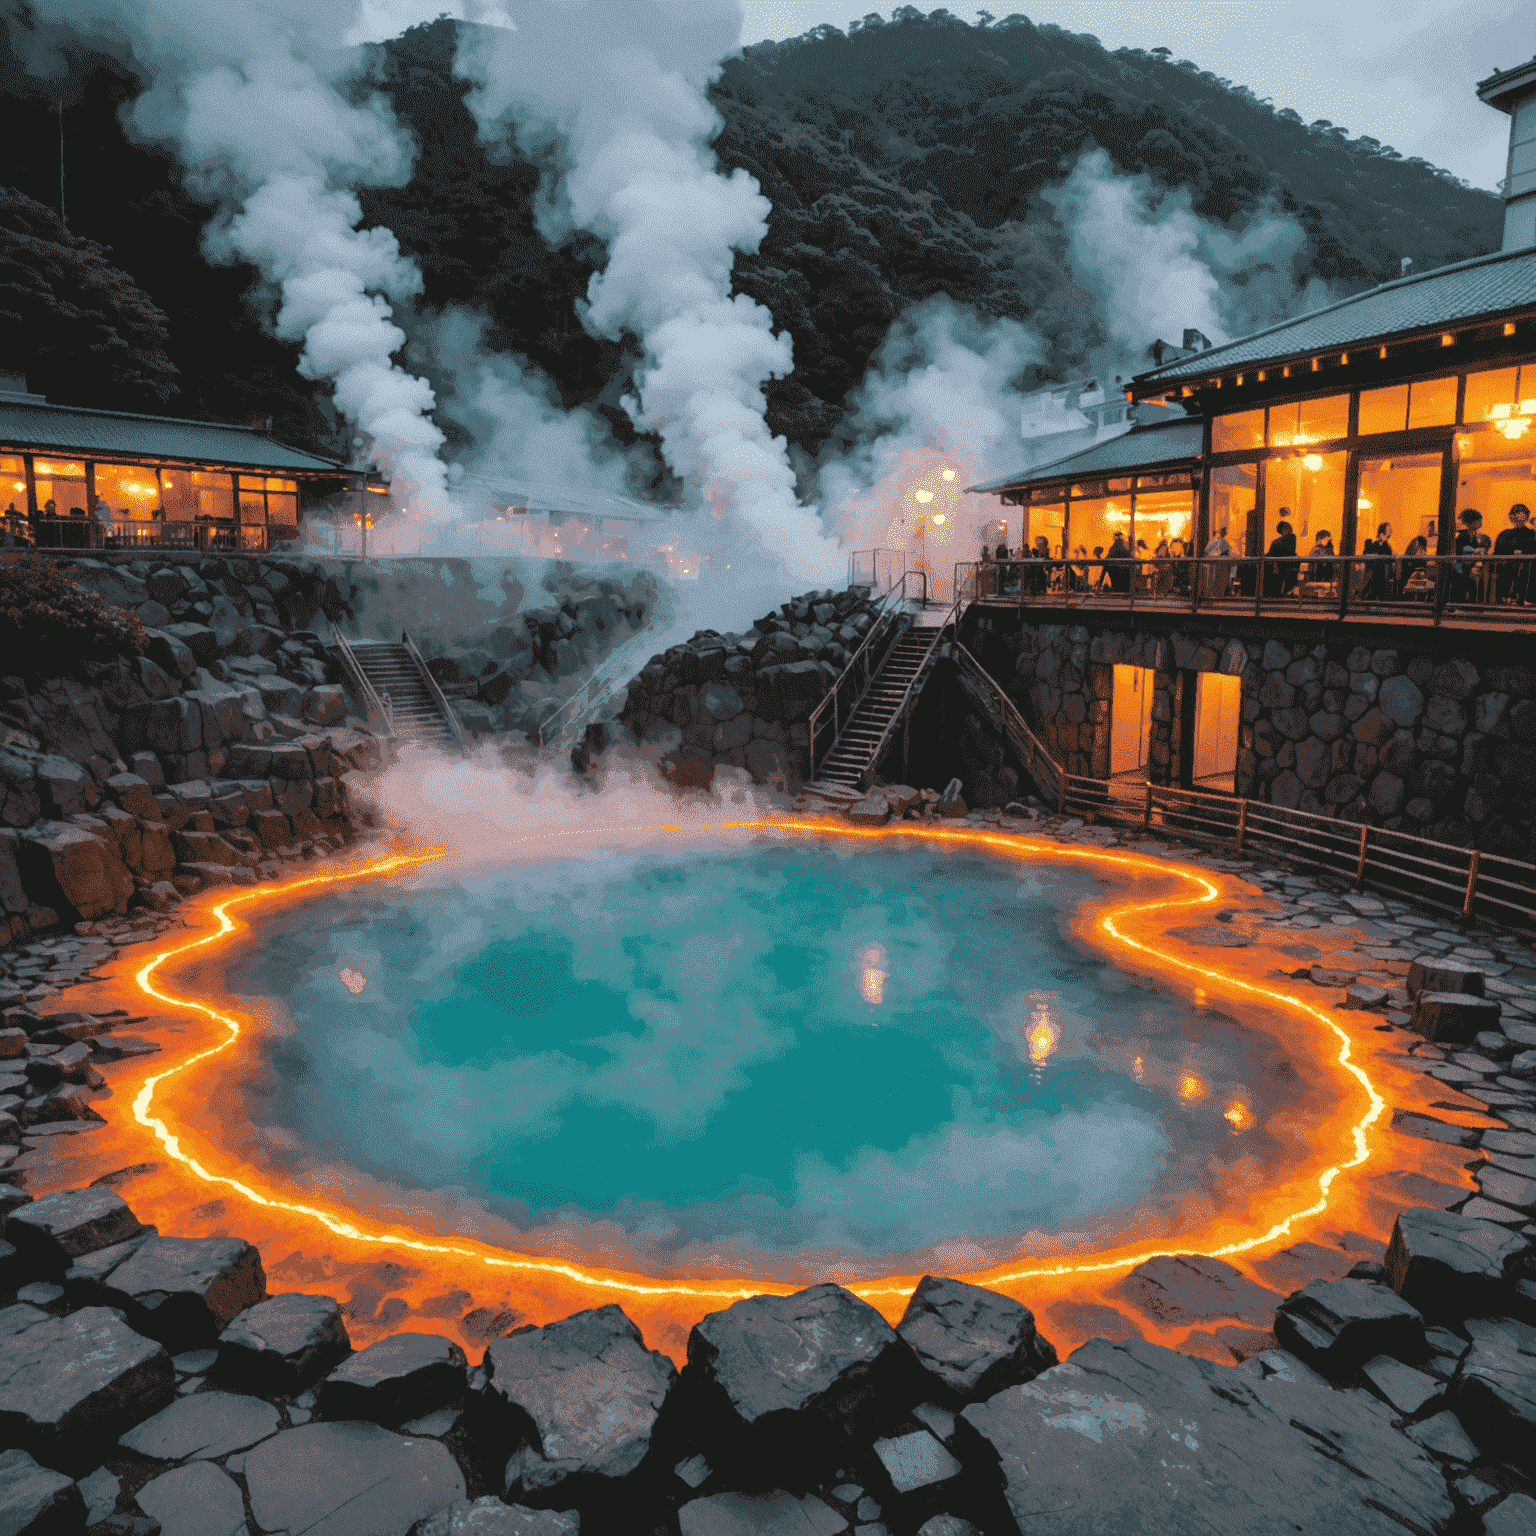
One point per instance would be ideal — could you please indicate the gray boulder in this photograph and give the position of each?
(490, 1517)
(1450, 1267)
(591, 1391)
(792, 1374)
(1133, 1438)
(1432, 973)
(282, 1345)
(35, 1500)
(349, 1480)
(1494, 1392)
(398, 1378)
(185, 1290)
(51, 1233)
(198, 638)
(69, 1386)
(1455, 1018)
(1338, 1325)
(775, 1513)
(972, 1342)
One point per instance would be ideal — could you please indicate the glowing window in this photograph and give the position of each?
(13, 482)
(1308, 421)
(132, 491)
(1495, 396)
(1243, 429)
(1432, 403)
(1383, 410)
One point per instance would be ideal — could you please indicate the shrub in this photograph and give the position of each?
(50, 623)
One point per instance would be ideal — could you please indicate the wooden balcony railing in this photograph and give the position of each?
(63, 534)
(1496, 589)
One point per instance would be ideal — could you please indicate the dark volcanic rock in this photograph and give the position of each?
(1431, 973)
(775, 1513)
(204, 1426)
(184, 1290)
(69, 1386)
(348, 1479)
(490, 1517)
(49, 1234)
(399, 1378)
(35, 1500)
(592, 1391)
(973, 1342)
(1337, 1325)
(1450, 1267)
(1494, 1392)
(282, 1345)
(1457, 1018)
(1133, 1438)
(1177, 1289)
(791, 1376)
(198, 1499)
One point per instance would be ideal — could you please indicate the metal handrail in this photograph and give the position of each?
(874, 556)
(366, 691)
(583, 696)
(1463, 880)
(1446, 588)
(438, 696)
(1032, 751)
(899, 713)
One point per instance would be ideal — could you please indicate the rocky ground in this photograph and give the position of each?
(152, 1382)
(742, 700)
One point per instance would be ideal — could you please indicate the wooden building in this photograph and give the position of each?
(75, 478)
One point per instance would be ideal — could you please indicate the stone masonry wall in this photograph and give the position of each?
(1435, 735)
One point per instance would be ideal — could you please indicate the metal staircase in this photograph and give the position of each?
(856, 752)
(395, 682)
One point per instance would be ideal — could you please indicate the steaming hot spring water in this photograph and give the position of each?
(789, 1059)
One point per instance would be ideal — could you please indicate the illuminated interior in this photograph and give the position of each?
(61, 481)
(1307, 491)
(1234, 503)
(1496, 472)
(132, 491)
(1403, 492)
(1218, 714)
(1130, 721)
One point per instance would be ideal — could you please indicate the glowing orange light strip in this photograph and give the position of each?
(347, 1225)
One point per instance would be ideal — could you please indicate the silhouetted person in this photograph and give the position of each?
(1378, 565)
(1514, 577)
(1281, 577)
(1118, 564)
(1471, 542)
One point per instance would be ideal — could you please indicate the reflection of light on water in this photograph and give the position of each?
(353, 981)
(1042, 1036)
(1238, 1115)
(1138, 1069)
(872, 982)
(1192, 1087)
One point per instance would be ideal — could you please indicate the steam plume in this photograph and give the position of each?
(614, 95)
(250, 97)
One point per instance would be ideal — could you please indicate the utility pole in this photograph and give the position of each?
(63, 217)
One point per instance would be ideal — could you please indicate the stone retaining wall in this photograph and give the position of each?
(1435, 735)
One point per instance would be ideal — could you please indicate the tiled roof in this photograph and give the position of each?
(1150, 447)
(1487, 285)
(118, 434)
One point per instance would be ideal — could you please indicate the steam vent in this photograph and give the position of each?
(764, 785)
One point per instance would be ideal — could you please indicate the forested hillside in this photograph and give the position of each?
(904, 159)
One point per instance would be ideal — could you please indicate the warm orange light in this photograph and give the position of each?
(1043, 1036)
(939, 519)
(1447, 340)
(1382, 353)
(1192, 1087)
(947, 474)
(1238, 1115)
(1509, 327)
(353, 981)
(873, 985)
(1343, 1146)
(922, 496)
(1313, 461)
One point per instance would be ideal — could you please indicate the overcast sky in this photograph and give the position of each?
(1402, 71)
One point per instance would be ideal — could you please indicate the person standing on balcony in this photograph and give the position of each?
(1282, 576)
(1217, 576)
(105, 520)
(1117, 564)
(1378, 565)
(1471, 543)
(1513, 578)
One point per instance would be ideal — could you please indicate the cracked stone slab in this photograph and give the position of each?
(1449, 1266)
(1178, 1289)
(185, 1290)
(403, 1376)
(51, 1233)
(282, 1345)
(37, 1499)
(1131, 1437)
(490, 1517)
(198, 1499)
(203, 1427)
(348, 1480)
(759, 1514)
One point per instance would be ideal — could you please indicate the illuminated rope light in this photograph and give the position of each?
(347, 1226)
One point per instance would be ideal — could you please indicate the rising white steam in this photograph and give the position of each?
(250, 96)
(614, 94)
(940, 394)
(1155, 267)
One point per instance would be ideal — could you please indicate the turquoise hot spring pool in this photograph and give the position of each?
(791, 1057)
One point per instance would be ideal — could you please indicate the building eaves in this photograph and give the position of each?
(1486, 286)
(1155, 446)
